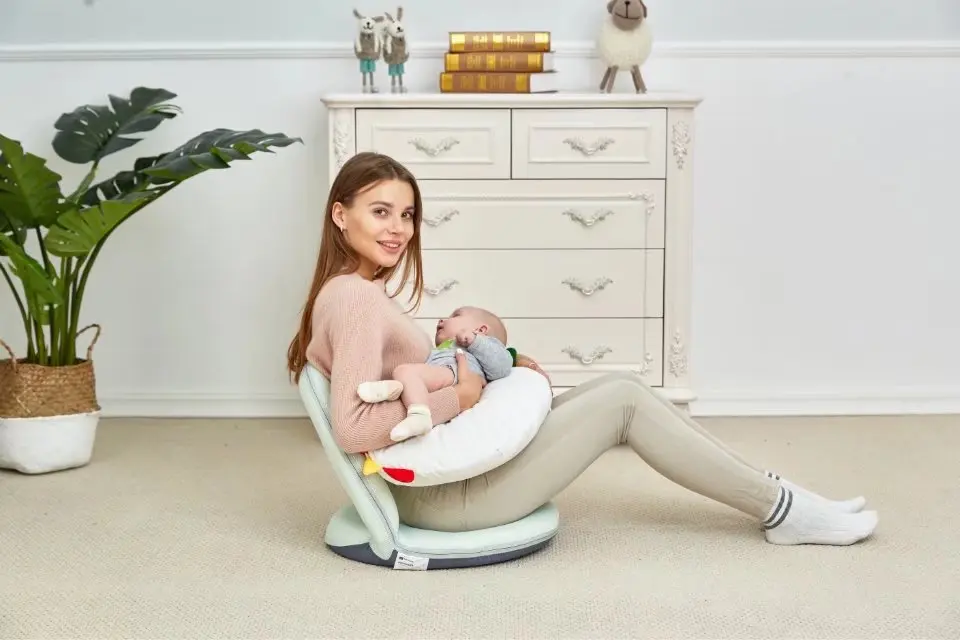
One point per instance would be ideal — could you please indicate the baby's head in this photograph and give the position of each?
(471, 319)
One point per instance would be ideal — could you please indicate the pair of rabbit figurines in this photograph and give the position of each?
(391, 44)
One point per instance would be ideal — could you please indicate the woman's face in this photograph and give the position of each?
(378, 225)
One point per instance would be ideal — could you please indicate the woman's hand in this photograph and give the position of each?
(530, 363)
(469, 384)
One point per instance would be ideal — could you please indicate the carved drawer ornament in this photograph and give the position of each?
(433, 151)
(595, 355)
(443, 286)
(436, 221)
(342, 138)
(592, 220)
(588, 150)
(598, 285)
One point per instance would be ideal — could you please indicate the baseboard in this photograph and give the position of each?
(910, 401)
(209, 50)
(897, 401)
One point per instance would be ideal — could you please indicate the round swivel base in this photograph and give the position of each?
(421, 549)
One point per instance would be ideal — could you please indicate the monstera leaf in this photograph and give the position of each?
(209, 150)
(78, 231)
(122, 184)
(214, 149)
(91, 132)
(40, 284)
(30, 193)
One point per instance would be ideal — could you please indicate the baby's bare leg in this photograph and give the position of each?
(419, 381)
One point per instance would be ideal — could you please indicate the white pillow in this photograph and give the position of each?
(497, 428)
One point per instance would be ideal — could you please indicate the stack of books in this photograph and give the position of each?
(499, 62)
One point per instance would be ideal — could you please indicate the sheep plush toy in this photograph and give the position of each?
(625, 42)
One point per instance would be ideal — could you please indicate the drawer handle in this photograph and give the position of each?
(588, 222)
(598, 285)
(597, 354)
(588, 150)
(444, 145)
(439, 220)
(445, 285)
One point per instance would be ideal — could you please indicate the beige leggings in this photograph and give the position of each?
(585, 422)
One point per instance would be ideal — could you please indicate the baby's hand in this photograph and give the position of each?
(465, 338)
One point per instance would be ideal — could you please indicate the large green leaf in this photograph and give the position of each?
(30, 193)
(39, 285)
(124, 183)
(17, 235)
(92, 132)
(78, 231)
(214, 149)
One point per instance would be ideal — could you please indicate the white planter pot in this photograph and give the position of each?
(42, 445)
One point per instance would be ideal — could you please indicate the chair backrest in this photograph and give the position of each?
(370, 494)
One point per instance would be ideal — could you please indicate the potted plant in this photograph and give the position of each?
(49, 243)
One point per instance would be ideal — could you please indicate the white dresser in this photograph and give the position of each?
(569, 215)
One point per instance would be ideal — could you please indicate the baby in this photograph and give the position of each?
(483, 338)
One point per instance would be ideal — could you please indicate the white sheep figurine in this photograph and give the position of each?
(625, 42)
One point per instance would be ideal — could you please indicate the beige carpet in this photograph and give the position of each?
(213, 529)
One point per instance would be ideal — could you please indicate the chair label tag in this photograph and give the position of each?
(410, 563)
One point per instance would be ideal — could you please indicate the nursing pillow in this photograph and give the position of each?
(498, 427)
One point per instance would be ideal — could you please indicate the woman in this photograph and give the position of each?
(354, 331)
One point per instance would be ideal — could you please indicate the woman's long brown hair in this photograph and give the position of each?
(337, 257)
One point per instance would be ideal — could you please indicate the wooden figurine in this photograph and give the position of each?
(625, 42)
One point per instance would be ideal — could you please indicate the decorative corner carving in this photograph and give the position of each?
(342, 137)
(645, 367)
(649, 201)
(678, 355)
(680, 140)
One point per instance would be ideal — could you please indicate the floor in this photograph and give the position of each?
(213, 529)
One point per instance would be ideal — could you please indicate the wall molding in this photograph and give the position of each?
(895, 401)
(433, 50)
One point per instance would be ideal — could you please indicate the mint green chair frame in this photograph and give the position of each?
(369, 529)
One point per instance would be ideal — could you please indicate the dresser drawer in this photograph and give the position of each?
(573, 350)
(440, 143)
(582, 283)
(589, 143)
(534, 214)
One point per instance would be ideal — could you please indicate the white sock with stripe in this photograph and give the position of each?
(798, 518)
(853, 505)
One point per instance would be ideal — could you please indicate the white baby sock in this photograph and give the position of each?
(380, 391)
(798, 518)
(853, 505)
(418, 422)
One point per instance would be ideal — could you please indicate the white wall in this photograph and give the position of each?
(828, 166)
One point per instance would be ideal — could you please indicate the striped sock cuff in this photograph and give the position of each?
(781, 507)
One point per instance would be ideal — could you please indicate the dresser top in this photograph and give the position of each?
(511, 100)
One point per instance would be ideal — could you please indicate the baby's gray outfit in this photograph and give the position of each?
(487, 357)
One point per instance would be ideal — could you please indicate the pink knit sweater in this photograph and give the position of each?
(361, 334)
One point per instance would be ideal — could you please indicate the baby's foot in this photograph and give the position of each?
(380, 391)
(417, 423)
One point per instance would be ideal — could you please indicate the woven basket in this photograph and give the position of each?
(37, 391)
